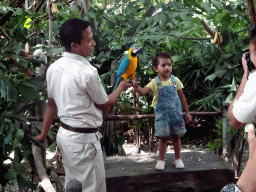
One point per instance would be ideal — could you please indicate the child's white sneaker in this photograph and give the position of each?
(160, 165)
(179, 164)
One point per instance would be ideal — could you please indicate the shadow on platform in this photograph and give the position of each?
(203, 172)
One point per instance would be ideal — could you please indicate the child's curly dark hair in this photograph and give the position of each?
(155, 61)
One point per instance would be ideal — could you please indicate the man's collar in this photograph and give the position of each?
(75, 56)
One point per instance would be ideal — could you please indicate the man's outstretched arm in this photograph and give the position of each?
(49, 115)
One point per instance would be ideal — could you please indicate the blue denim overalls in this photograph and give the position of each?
(168, 112)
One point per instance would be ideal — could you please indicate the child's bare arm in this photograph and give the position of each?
(140, 90)
(185, 106)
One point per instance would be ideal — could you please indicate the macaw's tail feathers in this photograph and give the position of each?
(106, 114)
(117, 82)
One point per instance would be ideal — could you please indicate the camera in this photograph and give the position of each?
(250, 64)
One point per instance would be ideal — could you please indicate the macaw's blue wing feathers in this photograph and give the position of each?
(121, 70)
(122, 67)
(117, 82)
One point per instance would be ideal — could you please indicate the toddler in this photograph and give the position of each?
(168, 102)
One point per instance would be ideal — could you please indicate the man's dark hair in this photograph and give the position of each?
(71, 32)
(155, 60)
(253, 32)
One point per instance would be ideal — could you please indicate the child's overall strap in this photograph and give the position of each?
(173, 79)
(158, 81)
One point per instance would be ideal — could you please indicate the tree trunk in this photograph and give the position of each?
(45, 180)
(109, 126)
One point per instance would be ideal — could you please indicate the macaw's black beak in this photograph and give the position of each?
(137, 50)
(140, 51)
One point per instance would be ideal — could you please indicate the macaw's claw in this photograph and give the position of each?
(130, 81)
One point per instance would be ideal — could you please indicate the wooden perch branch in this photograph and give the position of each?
(152, 116)
(45, 181)
(207, 28)
(28, 72)
(5, 34)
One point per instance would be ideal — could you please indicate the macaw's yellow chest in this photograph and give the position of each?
(130, 71)
(133, 65)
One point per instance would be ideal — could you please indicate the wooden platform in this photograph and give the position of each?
(202, 172)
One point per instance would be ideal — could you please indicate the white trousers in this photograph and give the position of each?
(83, 161)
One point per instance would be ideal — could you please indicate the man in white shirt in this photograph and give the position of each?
(75, 90)
(242, 111)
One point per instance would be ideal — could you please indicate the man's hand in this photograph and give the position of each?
(49, 114)
(40, 137)
(124, 85)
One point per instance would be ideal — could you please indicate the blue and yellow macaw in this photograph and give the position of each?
(128, 65)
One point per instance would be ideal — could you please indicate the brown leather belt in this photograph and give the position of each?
(78, 129)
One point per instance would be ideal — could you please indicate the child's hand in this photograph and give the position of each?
(137, 88)
(188, 118)
(135, 83)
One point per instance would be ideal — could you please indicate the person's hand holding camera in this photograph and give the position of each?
(244, 63)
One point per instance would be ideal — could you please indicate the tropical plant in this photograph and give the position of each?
(16, 90)
(210, 76)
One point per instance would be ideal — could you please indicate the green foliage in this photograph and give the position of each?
(118, 141)
(15, 91)
(177, 29)
(216, 143)
(14, 136)
(210, 77)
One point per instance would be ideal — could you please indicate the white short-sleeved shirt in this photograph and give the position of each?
(75, 86)
(244, 109)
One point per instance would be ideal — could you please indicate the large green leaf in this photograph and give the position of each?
(28, 91)
(15, 47)
(4, 9)
(3, 88)
(10, 175)
(230, 98)
(217, 4)
(19, 134)
(22, 63)
(2, 66)
(18, 11)
(234, 85)
(24, 183)
(219, 73)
